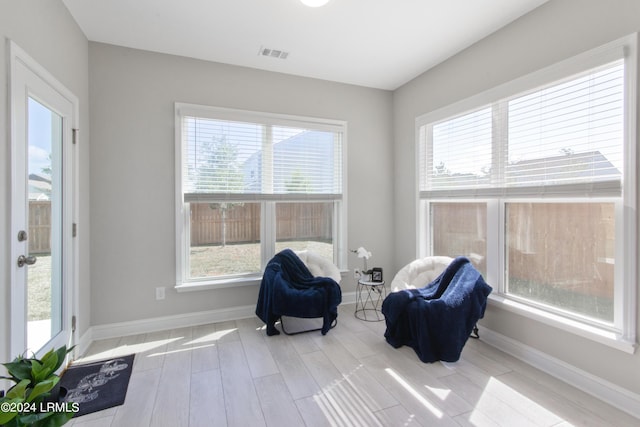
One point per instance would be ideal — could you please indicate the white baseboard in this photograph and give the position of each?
(600, 388)
(156, 324)
(122, 329)
(348, 298)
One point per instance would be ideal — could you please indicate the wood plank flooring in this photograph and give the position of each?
(232, 374)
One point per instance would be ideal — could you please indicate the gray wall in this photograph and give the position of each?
(132, 170)
(48, 33)
(555, 31)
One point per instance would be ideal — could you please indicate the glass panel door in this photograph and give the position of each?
(43, 251)
(44, 278)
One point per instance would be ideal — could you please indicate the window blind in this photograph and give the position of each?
(462, 151)
(561, 137)
(568, 133)
(235, 160)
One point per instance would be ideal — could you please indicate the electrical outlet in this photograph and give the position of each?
(160, 293)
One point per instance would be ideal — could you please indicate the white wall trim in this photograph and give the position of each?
(580, 328)
(602, 389)
(348, 298)
(122, 329)
(83, 343)
(155, 324)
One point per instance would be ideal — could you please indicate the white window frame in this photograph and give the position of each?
(623, 335)
(268, 202)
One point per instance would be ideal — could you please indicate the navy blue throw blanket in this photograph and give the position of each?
(289, 289)
(436, 320)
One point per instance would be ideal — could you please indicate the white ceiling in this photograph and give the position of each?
(375, 43)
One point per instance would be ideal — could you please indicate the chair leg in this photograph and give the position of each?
(475, 334)
(333, 325)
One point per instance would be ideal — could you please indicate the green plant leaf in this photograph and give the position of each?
(62, 353)
(5, 417)
(34, 379)
(38, 371)
(50, 362)
(43, 387)
(19, 390)
(48, 355)
(19, 369)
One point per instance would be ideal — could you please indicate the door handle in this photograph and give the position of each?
(28, 260)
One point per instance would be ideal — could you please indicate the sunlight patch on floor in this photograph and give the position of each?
(126, 349)
(430, 406)
(441, 393)
(214, 336)
(180, 350)
(342, 404)
(496, 392)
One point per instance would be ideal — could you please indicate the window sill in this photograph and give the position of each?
(204, 285)
(593, 333)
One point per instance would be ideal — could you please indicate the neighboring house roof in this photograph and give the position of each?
(564, 168)
(307, 155)
(569, 167)
(39, 187)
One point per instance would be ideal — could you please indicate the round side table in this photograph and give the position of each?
(369, 297)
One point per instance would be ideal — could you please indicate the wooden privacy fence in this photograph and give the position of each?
(297, 221)
(39, 226)
(212, 224)
(241, 223)
(568, 245)
(563, 244)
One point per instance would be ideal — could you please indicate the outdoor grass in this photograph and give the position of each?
(39, 289)
(582, 303)
(218, 260)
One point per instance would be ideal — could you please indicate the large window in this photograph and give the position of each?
(251, 184)
(535, 182)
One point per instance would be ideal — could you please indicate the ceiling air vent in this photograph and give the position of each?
(273, 53)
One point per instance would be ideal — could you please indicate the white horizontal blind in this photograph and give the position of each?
(235, 160)
(462, 151)
(304, 161)
(564, 137)
(570, 132)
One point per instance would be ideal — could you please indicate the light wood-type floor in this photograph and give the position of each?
(232, 374)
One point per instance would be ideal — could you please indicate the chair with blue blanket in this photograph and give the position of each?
(299, 286)
(437, 319)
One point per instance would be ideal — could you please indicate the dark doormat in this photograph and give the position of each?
(97, 385)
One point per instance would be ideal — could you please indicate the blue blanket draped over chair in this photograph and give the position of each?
(436, 320)
(289, 289)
